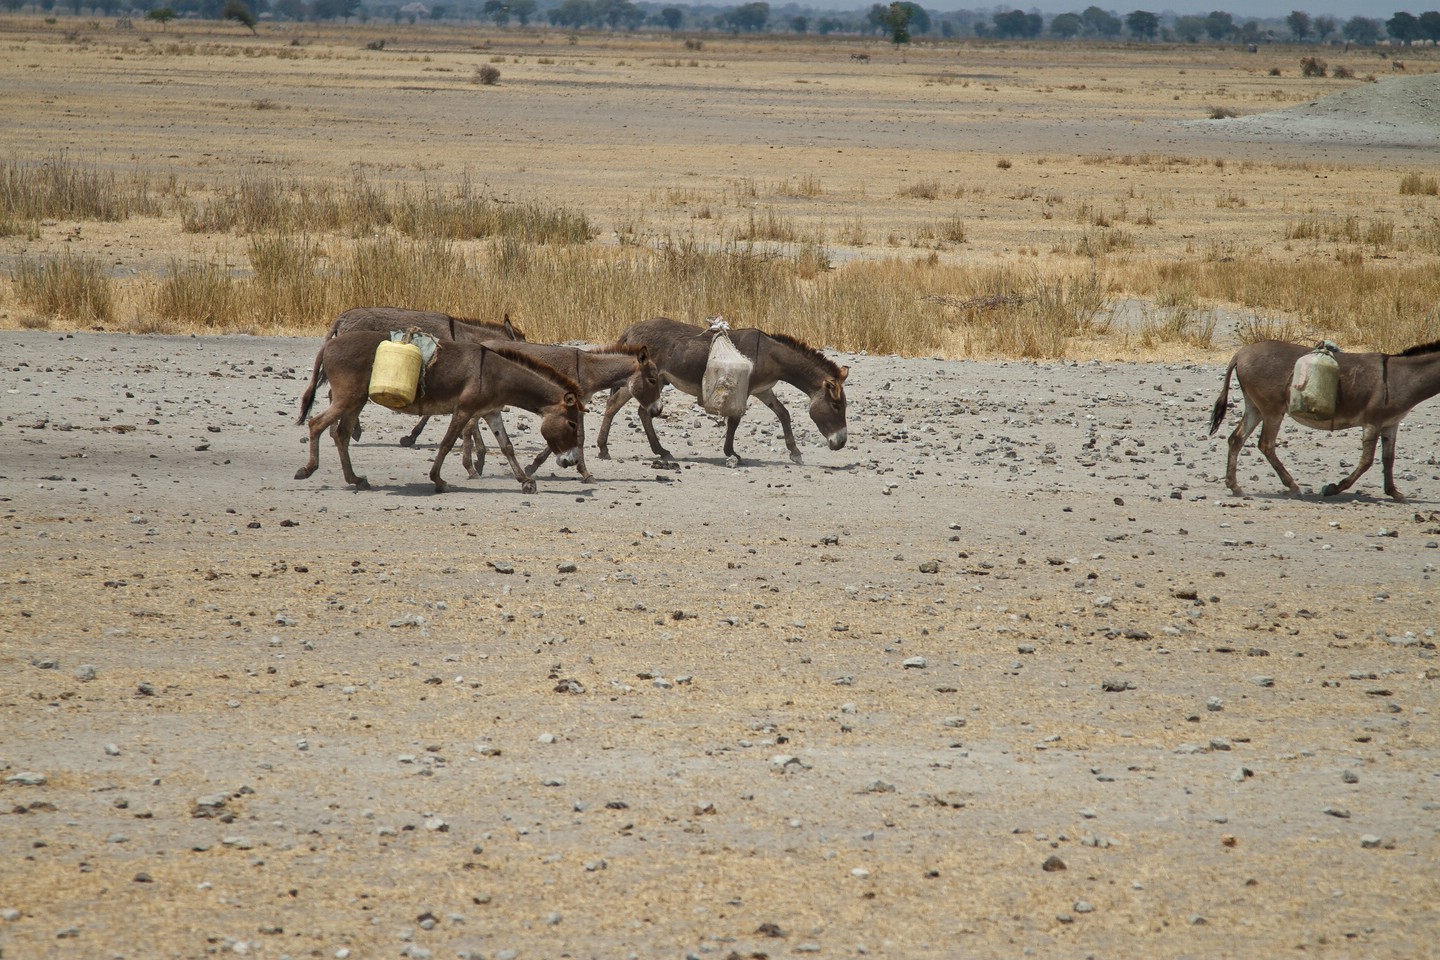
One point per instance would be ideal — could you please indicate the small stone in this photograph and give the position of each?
(1083, 906)
(28, 779)
(1053, 864)
(914, 663)
(1349, 776)
(1116, 685)
(930, 566)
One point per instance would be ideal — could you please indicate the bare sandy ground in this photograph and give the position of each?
(1010, 674)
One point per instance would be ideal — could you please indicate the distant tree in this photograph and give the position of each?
(13, 5)
(1143, 24)
(1299, 23)
(1017, 23)
(523, 10)
(1362, 30)
(1190, 28)
(1325, 27)
(573, 13)
(438, 12)
(828, 25)
(290, 9)
(497, 12)
(919, 19)
(672, 17)
(800, 24)
(1101, 22)
(622, 14)
(238, 11)
(1430, 25)
(897, 23)
(1404, 27)
(1219, 24)
(1067, 26)
(749, 17)
(162, 16)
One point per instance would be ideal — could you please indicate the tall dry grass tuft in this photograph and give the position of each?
(192, 295)
(59, 189)
(65, 287)
(1361, 306)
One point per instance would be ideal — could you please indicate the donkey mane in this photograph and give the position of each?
(823, 361)
(629, 349)
(487, 324)
(1421, 349)
(544, 369)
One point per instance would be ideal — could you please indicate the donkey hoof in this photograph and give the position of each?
(1329, 490)
(407, 441)
(441, 486)
(304, 473)
(361, 483)
(528, 486)
(796, 457)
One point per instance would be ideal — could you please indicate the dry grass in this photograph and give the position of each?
(1037, 246)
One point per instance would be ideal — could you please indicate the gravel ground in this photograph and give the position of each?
(1010, 674)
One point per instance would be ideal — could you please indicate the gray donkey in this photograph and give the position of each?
(1377, 390)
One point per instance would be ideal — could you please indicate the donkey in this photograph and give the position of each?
(1377, 390)
(680, 351)
(466, 380)
(441, 326)
(604, 368)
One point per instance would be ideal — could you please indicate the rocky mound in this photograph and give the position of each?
(1395, 111)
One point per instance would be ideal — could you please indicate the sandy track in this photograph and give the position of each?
(752, 720)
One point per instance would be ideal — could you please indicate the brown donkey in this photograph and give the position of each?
(680, 351)
(1377, 390)
(603, 368)
(466, 380)
(441, 326)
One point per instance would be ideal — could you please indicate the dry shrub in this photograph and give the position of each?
(1222, 113)
(68, 287)
(1313, 67)
(487, 75)
(1416, 184)
(1342, 73)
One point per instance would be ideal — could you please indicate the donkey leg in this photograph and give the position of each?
(1269, 431)
(618, 398)
(409, 439)
(342, 431)
(1387, 460)
(773, 402)
(497, 427)
(452, 433)
(472, 454)
(1236, 442)
(1367, 457)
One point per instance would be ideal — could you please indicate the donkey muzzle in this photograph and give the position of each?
(838, 438)
(569, 458)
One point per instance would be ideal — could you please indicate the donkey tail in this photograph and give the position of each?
(317, 377)
(1222, 403)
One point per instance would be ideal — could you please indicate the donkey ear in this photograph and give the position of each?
(573, 401)
(844, 372)
(644, 355)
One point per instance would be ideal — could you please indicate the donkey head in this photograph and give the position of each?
(561, 427)
(645, 384)
(827, 409)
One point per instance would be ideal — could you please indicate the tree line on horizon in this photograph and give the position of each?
(899, 22)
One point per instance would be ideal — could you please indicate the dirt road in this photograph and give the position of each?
(1010, 673)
